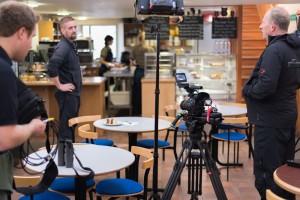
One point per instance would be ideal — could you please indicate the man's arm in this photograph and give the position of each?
(68, 87)
(269, 73)
(14, 135)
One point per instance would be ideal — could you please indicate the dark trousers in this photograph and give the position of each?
(272, 147)
(68, 108)
(137, 91)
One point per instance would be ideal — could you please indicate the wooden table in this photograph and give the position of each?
(288, 178)
(101, 159)
(132, 126)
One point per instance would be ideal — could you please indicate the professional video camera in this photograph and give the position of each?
(195, 114)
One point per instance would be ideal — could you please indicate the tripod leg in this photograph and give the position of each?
(177, 170)
(212, 170)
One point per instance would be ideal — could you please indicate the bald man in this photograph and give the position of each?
(270, 94)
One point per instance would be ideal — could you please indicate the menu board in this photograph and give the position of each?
(224, 27)
(164, 28)
(191, 28)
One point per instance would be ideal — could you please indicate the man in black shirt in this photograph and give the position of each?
(17, 22)
(64, 71)
(270, 94)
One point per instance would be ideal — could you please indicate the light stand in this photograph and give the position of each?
(157, 92)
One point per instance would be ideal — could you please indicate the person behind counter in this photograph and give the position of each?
(18, 27)
(106, 56)
(64, 71)
(138, 55)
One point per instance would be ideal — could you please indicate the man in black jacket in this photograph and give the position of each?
(270, 94)
(64, 71)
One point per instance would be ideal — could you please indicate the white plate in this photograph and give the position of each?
(117, 124)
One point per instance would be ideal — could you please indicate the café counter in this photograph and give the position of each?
(92, 96)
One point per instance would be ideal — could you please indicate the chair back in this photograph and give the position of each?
(236, 120)
(83, 119)
(26, 181)
(272, 196)
(85, 132)
(140, 151)
(170, 109)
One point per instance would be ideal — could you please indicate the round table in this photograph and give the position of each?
(101, 159)
(231, 110)
(288, 178)
(132, 126)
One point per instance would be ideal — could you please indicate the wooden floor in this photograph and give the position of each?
(240, 184)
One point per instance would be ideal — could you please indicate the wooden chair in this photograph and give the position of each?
(272, 196)
(232, 127)
(126, 187)
(29, 181)
(73, 122)
(162, 144)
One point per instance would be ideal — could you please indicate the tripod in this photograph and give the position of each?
(204, 155)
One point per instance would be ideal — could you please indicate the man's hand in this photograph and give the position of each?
(38, 126)
(68, 87)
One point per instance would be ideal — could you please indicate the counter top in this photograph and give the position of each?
(85, 81)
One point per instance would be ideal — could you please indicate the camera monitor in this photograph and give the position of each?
(160, 7)
(180, 77)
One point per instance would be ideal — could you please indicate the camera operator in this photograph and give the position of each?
(18, 23)
(270, 94)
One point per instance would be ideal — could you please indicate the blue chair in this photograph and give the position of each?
(67, 185)
(28, 181)
(233, 127)
(93, 139)
(162, 144)
(126, 187)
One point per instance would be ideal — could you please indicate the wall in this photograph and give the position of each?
(292, 9)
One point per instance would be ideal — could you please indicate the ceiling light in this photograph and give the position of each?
(32, 4)
(63, 13)
(82, 18)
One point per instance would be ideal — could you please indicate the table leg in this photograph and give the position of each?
(132, 138)
(80, 188)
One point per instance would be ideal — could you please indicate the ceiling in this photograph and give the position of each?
(124, 8)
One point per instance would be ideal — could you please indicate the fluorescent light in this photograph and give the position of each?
(82, 18)
(63, 13)
(32, 4)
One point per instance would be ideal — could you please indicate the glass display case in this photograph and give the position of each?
(166, 65)
(215, 73)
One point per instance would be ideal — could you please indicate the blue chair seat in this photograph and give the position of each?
(233, 136)
(149, 143)
(47, 195)
(67, 185)
(182, 127)
(103, 142)
(118, 186)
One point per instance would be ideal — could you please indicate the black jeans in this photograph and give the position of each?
(273, 146)
(68, 108)
(137, 91)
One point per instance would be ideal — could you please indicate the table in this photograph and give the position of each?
(128, 75)
(231, 110)
(101, 159)
(133, 126)
(288, 178)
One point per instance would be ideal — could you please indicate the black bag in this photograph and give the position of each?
(30, 106)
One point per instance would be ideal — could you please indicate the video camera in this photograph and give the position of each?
(195, 115)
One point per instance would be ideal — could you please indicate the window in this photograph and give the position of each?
(98, 33)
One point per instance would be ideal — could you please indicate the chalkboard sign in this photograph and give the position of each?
(224, 27)
(164, 28)
(191, 28)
